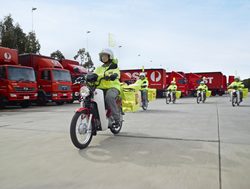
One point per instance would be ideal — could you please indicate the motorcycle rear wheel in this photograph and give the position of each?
(80, 134)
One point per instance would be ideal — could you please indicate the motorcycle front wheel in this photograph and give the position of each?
(174, 99)
(81, 130)
(145, 105)
(167, 99)
(198, 99)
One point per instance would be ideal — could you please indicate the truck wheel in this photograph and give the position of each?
(25, 104)
(70, 102)
(2, 104)
(41, 101)
(60, 103)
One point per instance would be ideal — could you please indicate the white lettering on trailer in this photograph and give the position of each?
(209, 80)
(135, 75)
(7, 56)
(155, 76)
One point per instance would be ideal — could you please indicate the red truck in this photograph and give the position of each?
(193, 81)
(156, 78)
(75, 71)
(216, 82)
(17, 83)
(180, 80)
(230, 79)
(54, 82)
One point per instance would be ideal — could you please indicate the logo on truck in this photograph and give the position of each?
(7, 56)
(208, 80)
(155, 76)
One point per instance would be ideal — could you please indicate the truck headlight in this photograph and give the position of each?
(84, 91)
(54, 94)
(35, 94)
(13, 95)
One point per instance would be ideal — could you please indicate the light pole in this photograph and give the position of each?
(32, 10)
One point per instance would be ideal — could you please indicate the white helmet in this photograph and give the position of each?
(142, 74)
(237, 78)
(108, 52)
(173, 82)
(202, 82)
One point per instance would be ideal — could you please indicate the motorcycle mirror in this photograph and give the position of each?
(91, 77)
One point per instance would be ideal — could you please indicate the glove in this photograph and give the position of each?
(107, 78)
(113, 76)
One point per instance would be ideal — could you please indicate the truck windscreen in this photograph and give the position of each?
(61, 75)
(21, 74)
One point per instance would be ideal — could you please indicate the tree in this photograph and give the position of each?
(21, 39)
(85, 58)
(12, 36)
(7, 32)
(58, 55)
(32, 45)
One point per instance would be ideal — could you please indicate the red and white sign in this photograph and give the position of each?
(155, 76)
(7, 56)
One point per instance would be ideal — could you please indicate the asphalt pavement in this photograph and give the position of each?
(176, 146)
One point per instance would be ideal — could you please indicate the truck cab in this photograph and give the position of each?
(54, 82)
(18, 85)
(75, 71)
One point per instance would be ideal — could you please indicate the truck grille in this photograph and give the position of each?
(63, 88)
(24, 89)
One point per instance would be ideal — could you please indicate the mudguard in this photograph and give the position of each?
(82, 109)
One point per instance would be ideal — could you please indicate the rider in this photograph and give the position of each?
(238, 85)
(172, 87)
(142, 82)
(110, 84)
(203, 87)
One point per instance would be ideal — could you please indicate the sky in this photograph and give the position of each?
(183, 35)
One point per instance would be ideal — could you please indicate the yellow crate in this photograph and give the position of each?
(178, 94)
(245, 92)
(208, 93)
(151, 94)
(130, 99)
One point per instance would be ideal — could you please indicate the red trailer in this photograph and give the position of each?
(17, 83)
(230, 79)
(215, 81)
(75, 71)
(156, 78)
(54, 82)
(193, 82)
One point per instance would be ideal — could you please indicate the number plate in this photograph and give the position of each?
(64, 94)
(26, 97)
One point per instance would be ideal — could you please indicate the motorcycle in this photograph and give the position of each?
(144, 96)
(170, 97)
(92, 116)
(201, 96)
(144, 100)
(235, 97)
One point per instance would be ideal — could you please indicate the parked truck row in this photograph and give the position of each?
(29, 78)
(186, 82)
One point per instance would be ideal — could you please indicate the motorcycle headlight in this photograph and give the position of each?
(84, 91)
